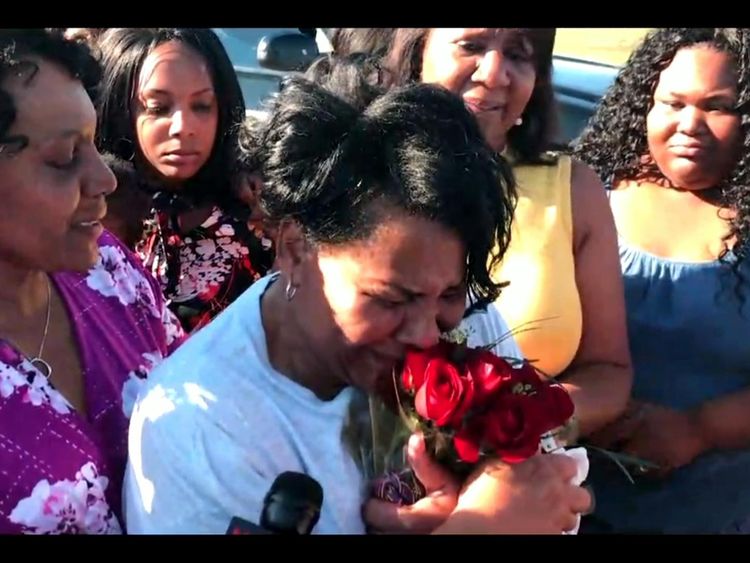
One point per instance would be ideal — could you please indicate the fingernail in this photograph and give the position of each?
(592, 507)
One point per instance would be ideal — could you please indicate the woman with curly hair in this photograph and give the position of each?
(672, 141)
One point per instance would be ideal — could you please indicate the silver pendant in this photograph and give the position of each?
(43, 367)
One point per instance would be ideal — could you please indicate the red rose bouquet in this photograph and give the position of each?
(470, 405)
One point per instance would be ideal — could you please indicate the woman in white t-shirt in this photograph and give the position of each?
(388, 206)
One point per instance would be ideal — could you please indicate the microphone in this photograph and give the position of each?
(291, 507)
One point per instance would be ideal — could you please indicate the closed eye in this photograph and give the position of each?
(202, 107)
(66, 164)
(471, 47)
(157, 109)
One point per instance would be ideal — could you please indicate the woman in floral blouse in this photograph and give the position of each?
(81, 322)
(171, 103)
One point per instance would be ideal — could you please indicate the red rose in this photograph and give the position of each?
(415, 365)
(513, 427)
(488, 371)
(468, 441)
(556, 406)
(445, 395)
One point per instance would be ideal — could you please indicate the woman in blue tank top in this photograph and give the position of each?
(672, 139)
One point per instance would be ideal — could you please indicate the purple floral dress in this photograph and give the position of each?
(61, 471)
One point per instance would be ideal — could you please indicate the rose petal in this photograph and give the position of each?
(467, 444)
(489, 373)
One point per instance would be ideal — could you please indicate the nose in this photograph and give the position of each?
(492, 70)
(181, 123)
(690, 120)
(420, 328)
(98, 179)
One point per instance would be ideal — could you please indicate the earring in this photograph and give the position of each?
(291, 290)
(518, 121)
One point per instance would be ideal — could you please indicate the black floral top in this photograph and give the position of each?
(205, 270)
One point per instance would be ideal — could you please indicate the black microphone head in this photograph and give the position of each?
(292, 505)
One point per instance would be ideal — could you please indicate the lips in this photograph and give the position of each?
(477, 105)
(92, 219)
(182, 153)
(688, 150)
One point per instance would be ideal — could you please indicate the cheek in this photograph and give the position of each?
(367, 323)
(444, 71)
(657, 133)
(451, 314)
(525, 80)
(210, 127)
(34, 226)
(728, 133)
(151, 133)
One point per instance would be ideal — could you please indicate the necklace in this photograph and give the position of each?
(38, 362)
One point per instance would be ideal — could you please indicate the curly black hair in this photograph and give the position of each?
(337, 150)
(533, 137)
(614, 142)
(17, 49)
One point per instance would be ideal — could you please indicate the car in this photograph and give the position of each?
(257, 82)
(578, 84)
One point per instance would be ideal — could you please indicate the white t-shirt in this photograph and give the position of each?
(216, 424)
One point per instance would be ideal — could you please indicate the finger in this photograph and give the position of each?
(616, 432)
(563, 467)
(580, 499)
(641, 447)
(421, 517)
(430, 473)
(569, 522)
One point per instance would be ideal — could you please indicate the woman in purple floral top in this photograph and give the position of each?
(172, 104)
(81, 322)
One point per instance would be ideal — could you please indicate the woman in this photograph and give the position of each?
(564, 301)
(170, 102)
(81, 323)
(388, 209)
(672, 140)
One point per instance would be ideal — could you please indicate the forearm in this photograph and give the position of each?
(724, 422)
(600, 392)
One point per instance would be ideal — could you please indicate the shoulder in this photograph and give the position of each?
(118, 274)
(590, 205)
(217, 364)
(487, 326)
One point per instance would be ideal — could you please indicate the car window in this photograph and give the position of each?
(241, 44)
(609, 45)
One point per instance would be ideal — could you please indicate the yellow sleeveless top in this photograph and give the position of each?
(542, 305)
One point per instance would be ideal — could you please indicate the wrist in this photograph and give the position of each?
(700, 425)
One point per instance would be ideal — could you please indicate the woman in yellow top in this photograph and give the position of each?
(565, 298)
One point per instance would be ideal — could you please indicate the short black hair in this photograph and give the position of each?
(16, 48)
(129, 204)
(370, 40)
(337, 151)
(123, 51)
(533, 137)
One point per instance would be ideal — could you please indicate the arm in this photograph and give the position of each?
(672, 438)
(600, 377)
(724, 423)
